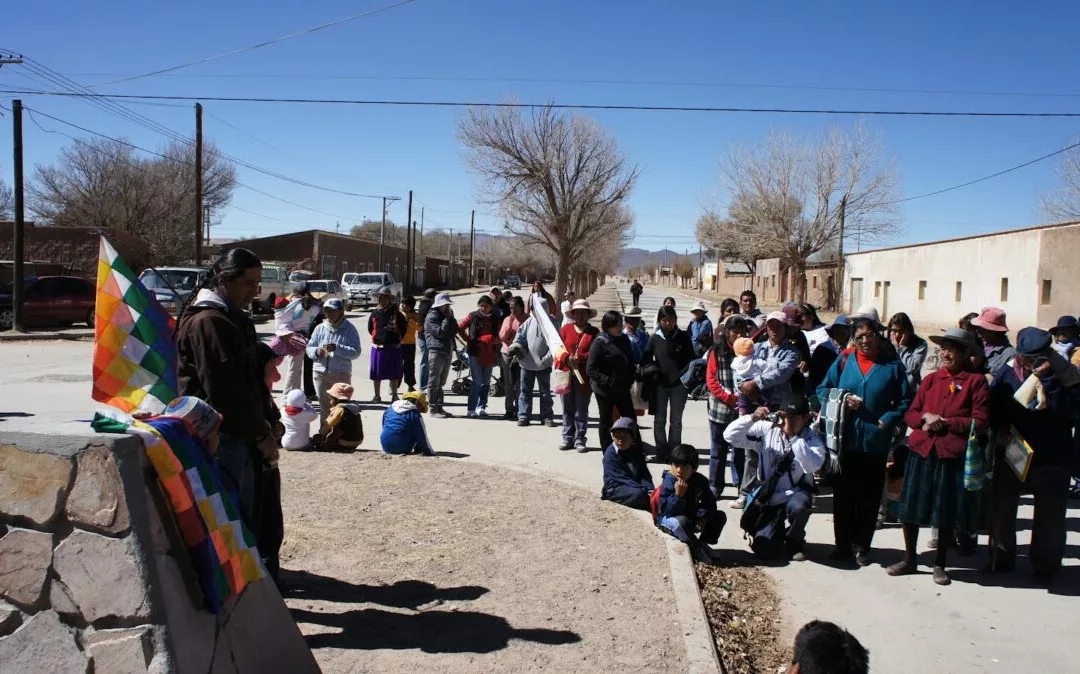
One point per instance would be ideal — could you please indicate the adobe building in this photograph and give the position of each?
(67, 250)
(1031, 273)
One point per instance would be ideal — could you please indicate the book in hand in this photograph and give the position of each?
(1018, 454)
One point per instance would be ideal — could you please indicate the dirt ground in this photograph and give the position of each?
(421, 564)
(744, 614)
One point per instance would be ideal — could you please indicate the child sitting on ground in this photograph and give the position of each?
(686, 507)
(297, 420)
(745, 367)
(403, 429)
(346, 427)
(626, 476)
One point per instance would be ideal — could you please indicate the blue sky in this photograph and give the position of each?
(966, 46)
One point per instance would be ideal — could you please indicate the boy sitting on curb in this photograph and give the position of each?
(686, 508)
(626, 475)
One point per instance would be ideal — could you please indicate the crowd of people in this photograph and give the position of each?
(791, 404)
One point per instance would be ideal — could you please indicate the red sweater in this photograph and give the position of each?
(958, 399)
(577, 342)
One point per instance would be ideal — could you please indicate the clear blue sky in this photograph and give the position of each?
(970, 46)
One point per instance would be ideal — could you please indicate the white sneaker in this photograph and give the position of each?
(739, 503)
(481, 412)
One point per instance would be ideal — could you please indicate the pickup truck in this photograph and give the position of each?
(174, 287)
(359, 288)
(273, 284)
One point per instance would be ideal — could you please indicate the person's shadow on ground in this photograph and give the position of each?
(410, 594)
(428, 631)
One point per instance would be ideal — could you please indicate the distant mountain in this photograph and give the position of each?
(635, 257)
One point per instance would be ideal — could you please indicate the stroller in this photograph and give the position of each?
(463, 380)
(693, 379)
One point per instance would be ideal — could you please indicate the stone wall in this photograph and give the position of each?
(93, 579)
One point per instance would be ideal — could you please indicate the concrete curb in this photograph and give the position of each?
(13, 336)
(701, 655)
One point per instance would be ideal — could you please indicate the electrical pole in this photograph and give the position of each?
(382, 230)
(19, 252)
(420, 241)
(409, 246)
(700, 270)
(840, 258)
(206, 223)
(450, 254)
(472, 248)
(198, 185)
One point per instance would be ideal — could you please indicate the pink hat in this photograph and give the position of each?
(341, 391)
(992, 319)
(776, 316)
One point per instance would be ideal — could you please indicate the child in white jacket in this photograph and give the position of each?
(297, 417)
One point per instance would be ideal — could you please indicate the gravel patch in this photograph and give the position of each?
(419, 564)
(744, 614)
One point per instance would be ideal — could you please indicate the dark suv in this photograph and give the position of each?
(512, 282)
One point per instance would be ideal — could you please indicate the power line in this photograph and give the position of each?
(260, 45)
(650, 83)
(567, 106)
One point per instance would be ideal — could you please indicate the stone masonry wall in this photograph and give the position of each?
(75, 586)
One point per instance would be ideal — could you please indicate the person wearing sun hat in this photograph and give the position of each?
(635, 330)
(1045, 422)
(1066, 334)
(993, 332)
(700, 329)
(578, 338)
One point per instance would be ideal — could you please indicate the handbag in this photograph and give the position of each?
(974, 466)
(560, 382)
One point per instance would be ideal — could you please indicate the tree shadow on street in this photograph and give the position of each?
(410, 594)
(428, 631)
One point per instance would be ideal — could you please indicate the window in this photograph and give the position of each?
(1045, 295)
(922, 290)
(814, 281)
(959, 291)
(1004, 289)
(877, 288)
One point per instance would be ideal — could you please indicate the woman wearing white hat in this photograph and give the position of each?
(700, 329)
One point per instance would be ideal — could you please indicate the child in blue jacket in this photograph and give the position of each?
(687, 507)
(627, 480)
(403, 430)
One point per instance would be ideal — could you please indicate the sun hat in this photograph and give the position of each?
(632, 312)
(866, 311)
(202, 419)
(295, 398)
(334, 304)
(442, 300)
(743, 346)
(840, 321)
(700, 306)
(385, 290)
(957, 336)
(1064, 323)
(623, 424)
(581, 305)
(1032, 342)
(341, 391)
(417, 398)
(992, 319)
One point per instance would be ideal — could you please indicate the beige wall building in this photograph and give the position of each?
(1031, 273)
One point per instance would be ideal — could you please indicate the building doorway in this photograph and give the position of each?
(855, 294)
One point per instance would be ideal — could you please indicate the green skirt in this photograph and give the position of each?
(933, 494)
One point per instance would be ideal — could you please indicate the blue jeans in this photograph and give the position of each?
(798, 509)
(669, 400)
(718, 454)
(575, 415)
(525, 396)
(481, 384)
(421, 344)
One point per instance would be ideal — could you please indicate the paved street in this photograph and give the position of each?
(979, 624)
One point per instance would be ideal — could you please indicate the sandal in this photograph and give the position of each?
(901, 569)
(940, 577)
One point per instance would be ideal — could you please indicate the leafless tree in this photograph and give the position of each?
(1064, 203)
(557, 180)
(7, 200)
(102, 183)
(736, 238)
(788, 192)
(372, 230)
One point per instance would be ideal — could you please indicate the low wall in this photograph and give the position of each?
(93, 579)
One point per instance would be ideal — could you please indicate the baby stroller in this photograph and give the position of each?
(694, 379)
(463, 379)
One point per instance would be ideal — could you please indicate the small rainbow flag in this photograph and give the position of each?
(135, 359)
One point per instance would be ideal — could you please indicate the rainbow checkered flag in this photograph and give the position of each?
(135, 358)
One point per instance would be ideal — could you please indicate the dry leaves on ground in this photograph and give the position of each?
(744, 614)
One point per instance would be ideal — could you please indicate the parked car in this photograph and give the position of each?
(362, 288)
(174, 287)
(50, 300)
(300, 275)
(325, 289)
(273, 284)
(512, 282)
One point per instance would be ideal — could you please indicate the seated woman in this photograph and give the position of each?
(403, 430)
(346, 427)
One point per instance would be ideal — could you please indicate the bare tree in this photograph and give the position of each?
(102, 183)
(7, 201)
(788, 193)
(736, 238)
(557, 180)
(1064, 203)
(396, 235)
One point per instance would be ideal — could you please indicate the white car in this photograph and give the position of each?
(325, 289)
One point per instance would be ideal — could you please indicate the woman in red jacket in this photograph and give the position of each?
(577, 337)
(723, 399)
(946, 405)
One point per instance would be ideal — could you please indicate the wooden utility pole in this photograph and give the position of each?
(409, 247)
(198, 186)
(450, 254)
(472, 248)
(382, 234)
(840, 258)
(420, 241)
(20, 215)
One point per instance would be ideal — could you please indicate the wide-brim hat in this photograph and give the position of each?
(957, 336)
(700, 306)
(385, 290)
(868, 312)
(341, 391)
(992, 319)
(1033, 342)
(581, 305)
(840, 321)
(1064, 323)
(442, 300)
(632, 312)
